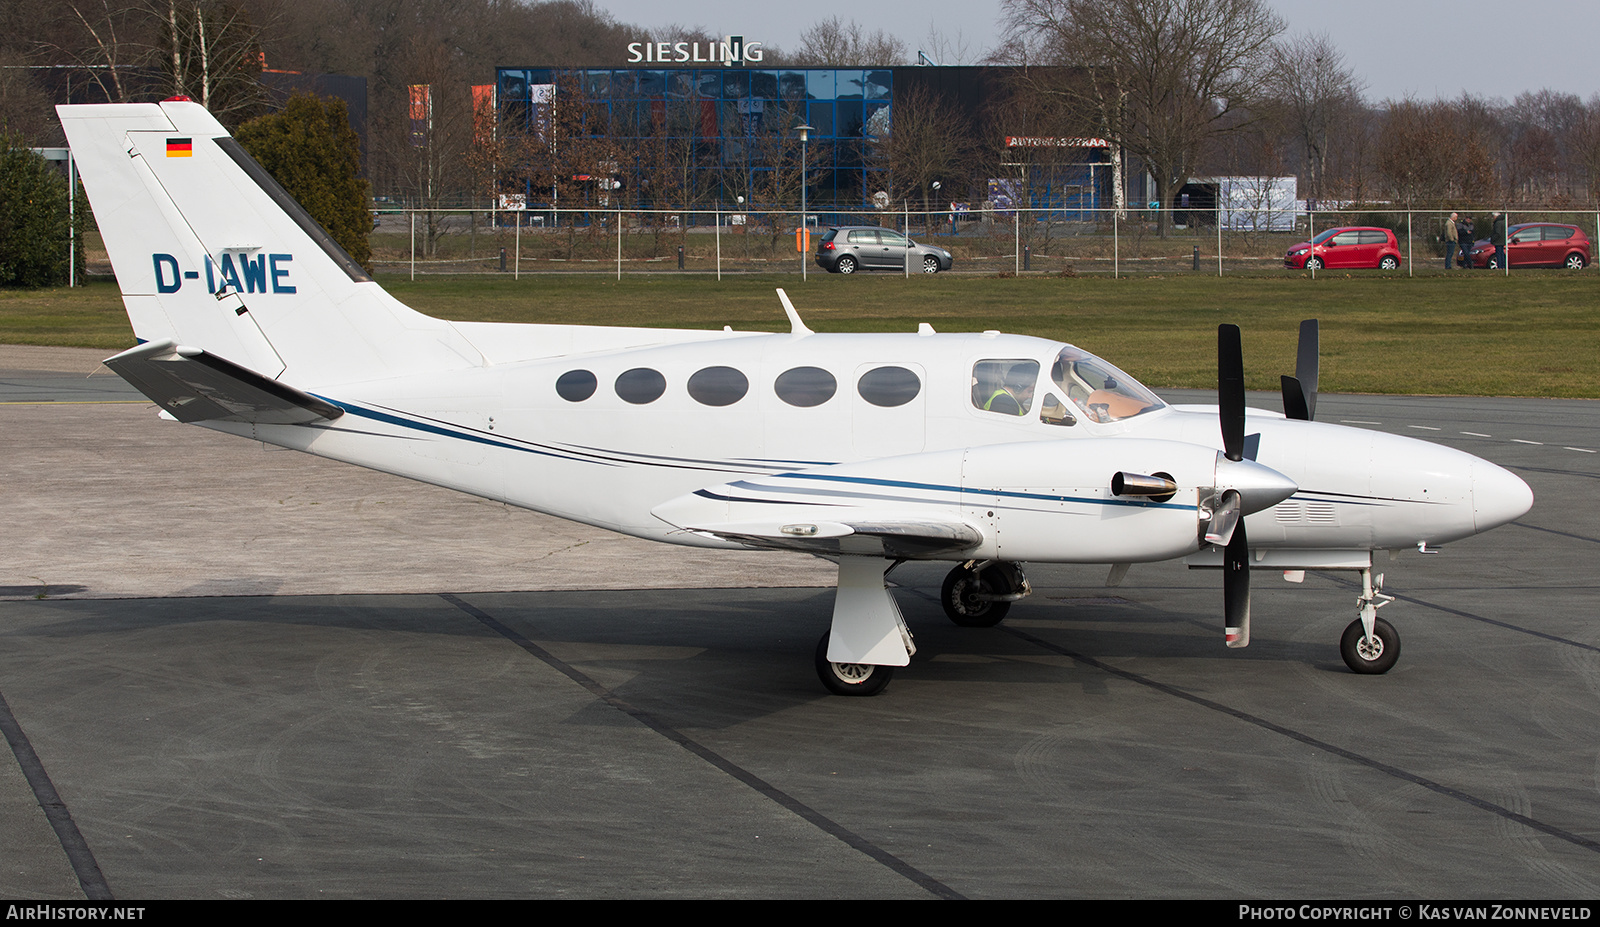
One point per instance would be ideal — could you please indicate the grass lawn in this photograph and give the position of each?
(1536, 333)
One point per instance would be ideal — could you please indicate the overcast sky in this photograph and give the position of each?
(1422, 48)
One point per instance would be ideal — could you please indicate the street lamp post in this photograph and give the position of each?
(803, 239)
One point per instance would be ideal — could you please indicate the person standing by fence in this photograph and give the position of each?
(1451, 240)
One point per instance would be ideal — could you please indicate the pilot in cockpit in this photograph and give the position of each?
(1015, 394)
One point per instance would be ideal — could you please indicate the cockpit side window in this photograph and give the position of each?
(1052, 411)
(1004, 386)
(1101, 391)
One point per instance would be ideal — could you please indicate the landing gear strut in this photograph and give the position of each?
(1370, 645)
(977, 594)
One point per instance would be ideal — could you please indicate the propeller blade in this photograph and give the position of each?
(1305, 366)
(1224, 519)
(1295, 404)
(1230, 390)
(1236, 590)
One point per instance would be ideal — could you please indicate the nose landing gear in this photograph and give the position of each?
(1370, 645)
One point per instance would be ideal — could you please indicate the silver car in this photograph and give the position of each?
(849, 248)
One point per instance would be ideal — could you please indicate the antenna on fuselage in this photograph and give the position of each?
(796, 327)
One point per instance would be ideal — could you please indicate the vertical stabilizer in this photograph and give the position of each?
(210, 252)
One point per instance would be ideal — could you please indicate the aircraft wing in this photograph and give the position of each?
(877, 536)
(194, 386)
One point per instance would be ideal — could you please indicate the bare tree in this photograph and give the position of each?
(1432, 152)
(1158, 77)
(837, 44)
(1317, 92)
(209, 51)
(928, 141)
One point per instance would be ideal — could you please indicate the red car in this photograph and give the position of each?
(1538, 244)
(1346, 247)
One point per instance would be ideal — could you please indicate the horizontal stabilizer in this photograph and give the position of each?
(194, 386)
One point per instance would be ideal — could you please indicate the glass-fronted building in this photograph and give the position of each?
(729, 132)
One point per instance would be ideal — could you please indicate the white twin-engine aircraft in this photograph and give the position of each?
(986, 450)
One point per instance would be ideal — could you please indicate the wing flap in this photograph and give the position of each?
(913, 538)
(194, 386)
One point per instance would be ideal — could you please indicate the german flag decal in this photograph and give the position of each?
(180, 148)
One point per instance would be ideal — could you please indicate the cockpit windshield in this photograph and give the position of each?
(1104, 393)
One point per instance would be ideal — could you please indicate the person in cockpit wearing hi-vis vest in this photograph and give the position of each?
(1014, 396)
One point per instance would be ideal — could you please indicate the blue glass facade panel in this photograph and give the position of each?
(732, 119)
(729, 129)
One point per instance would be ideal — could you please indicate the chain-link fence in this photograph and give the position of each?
(998, 242)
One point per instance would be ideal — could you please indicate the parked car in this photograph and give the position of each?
(846, 249)
(1538, 244)
(1346, 247)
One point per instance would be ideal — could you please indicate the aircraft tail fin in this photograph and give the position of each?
(211, 252)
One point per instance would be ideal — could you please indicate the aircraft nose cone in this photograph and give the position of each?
(1498, 496)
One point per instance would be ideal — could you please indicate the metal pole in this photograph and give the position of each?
(516, 262)
(413, 247)
(1016, 237)
(802, 241)
(1219, 234)
(1410, 264)
(905, 259)
(1116, 248)
(1311, 226)
(72, 217)
(718, 217)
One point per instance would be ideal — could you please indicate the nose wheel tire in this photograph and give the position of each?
(850, 678)
(1370, 657)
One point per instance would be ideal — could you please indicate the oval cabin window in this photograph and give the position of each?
(641, 385)
(889, 386)
(805, 386)
(718, 386)
(576, 385)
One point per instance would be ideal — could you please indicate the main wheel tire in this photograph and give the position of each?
(1372, 657)
(847, 265)
(850, 678)
(961, 586)
(930, 265)
(1574, 262)
(1313, 263)
(1389, 263)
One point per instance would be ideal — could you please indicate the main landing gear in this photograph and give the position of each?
(977, 594)
(1370, 645)
(869, 638)
(850, 678)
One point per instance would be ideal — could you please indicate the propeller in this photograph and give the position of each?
(1300, 390)
(1227, 524)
